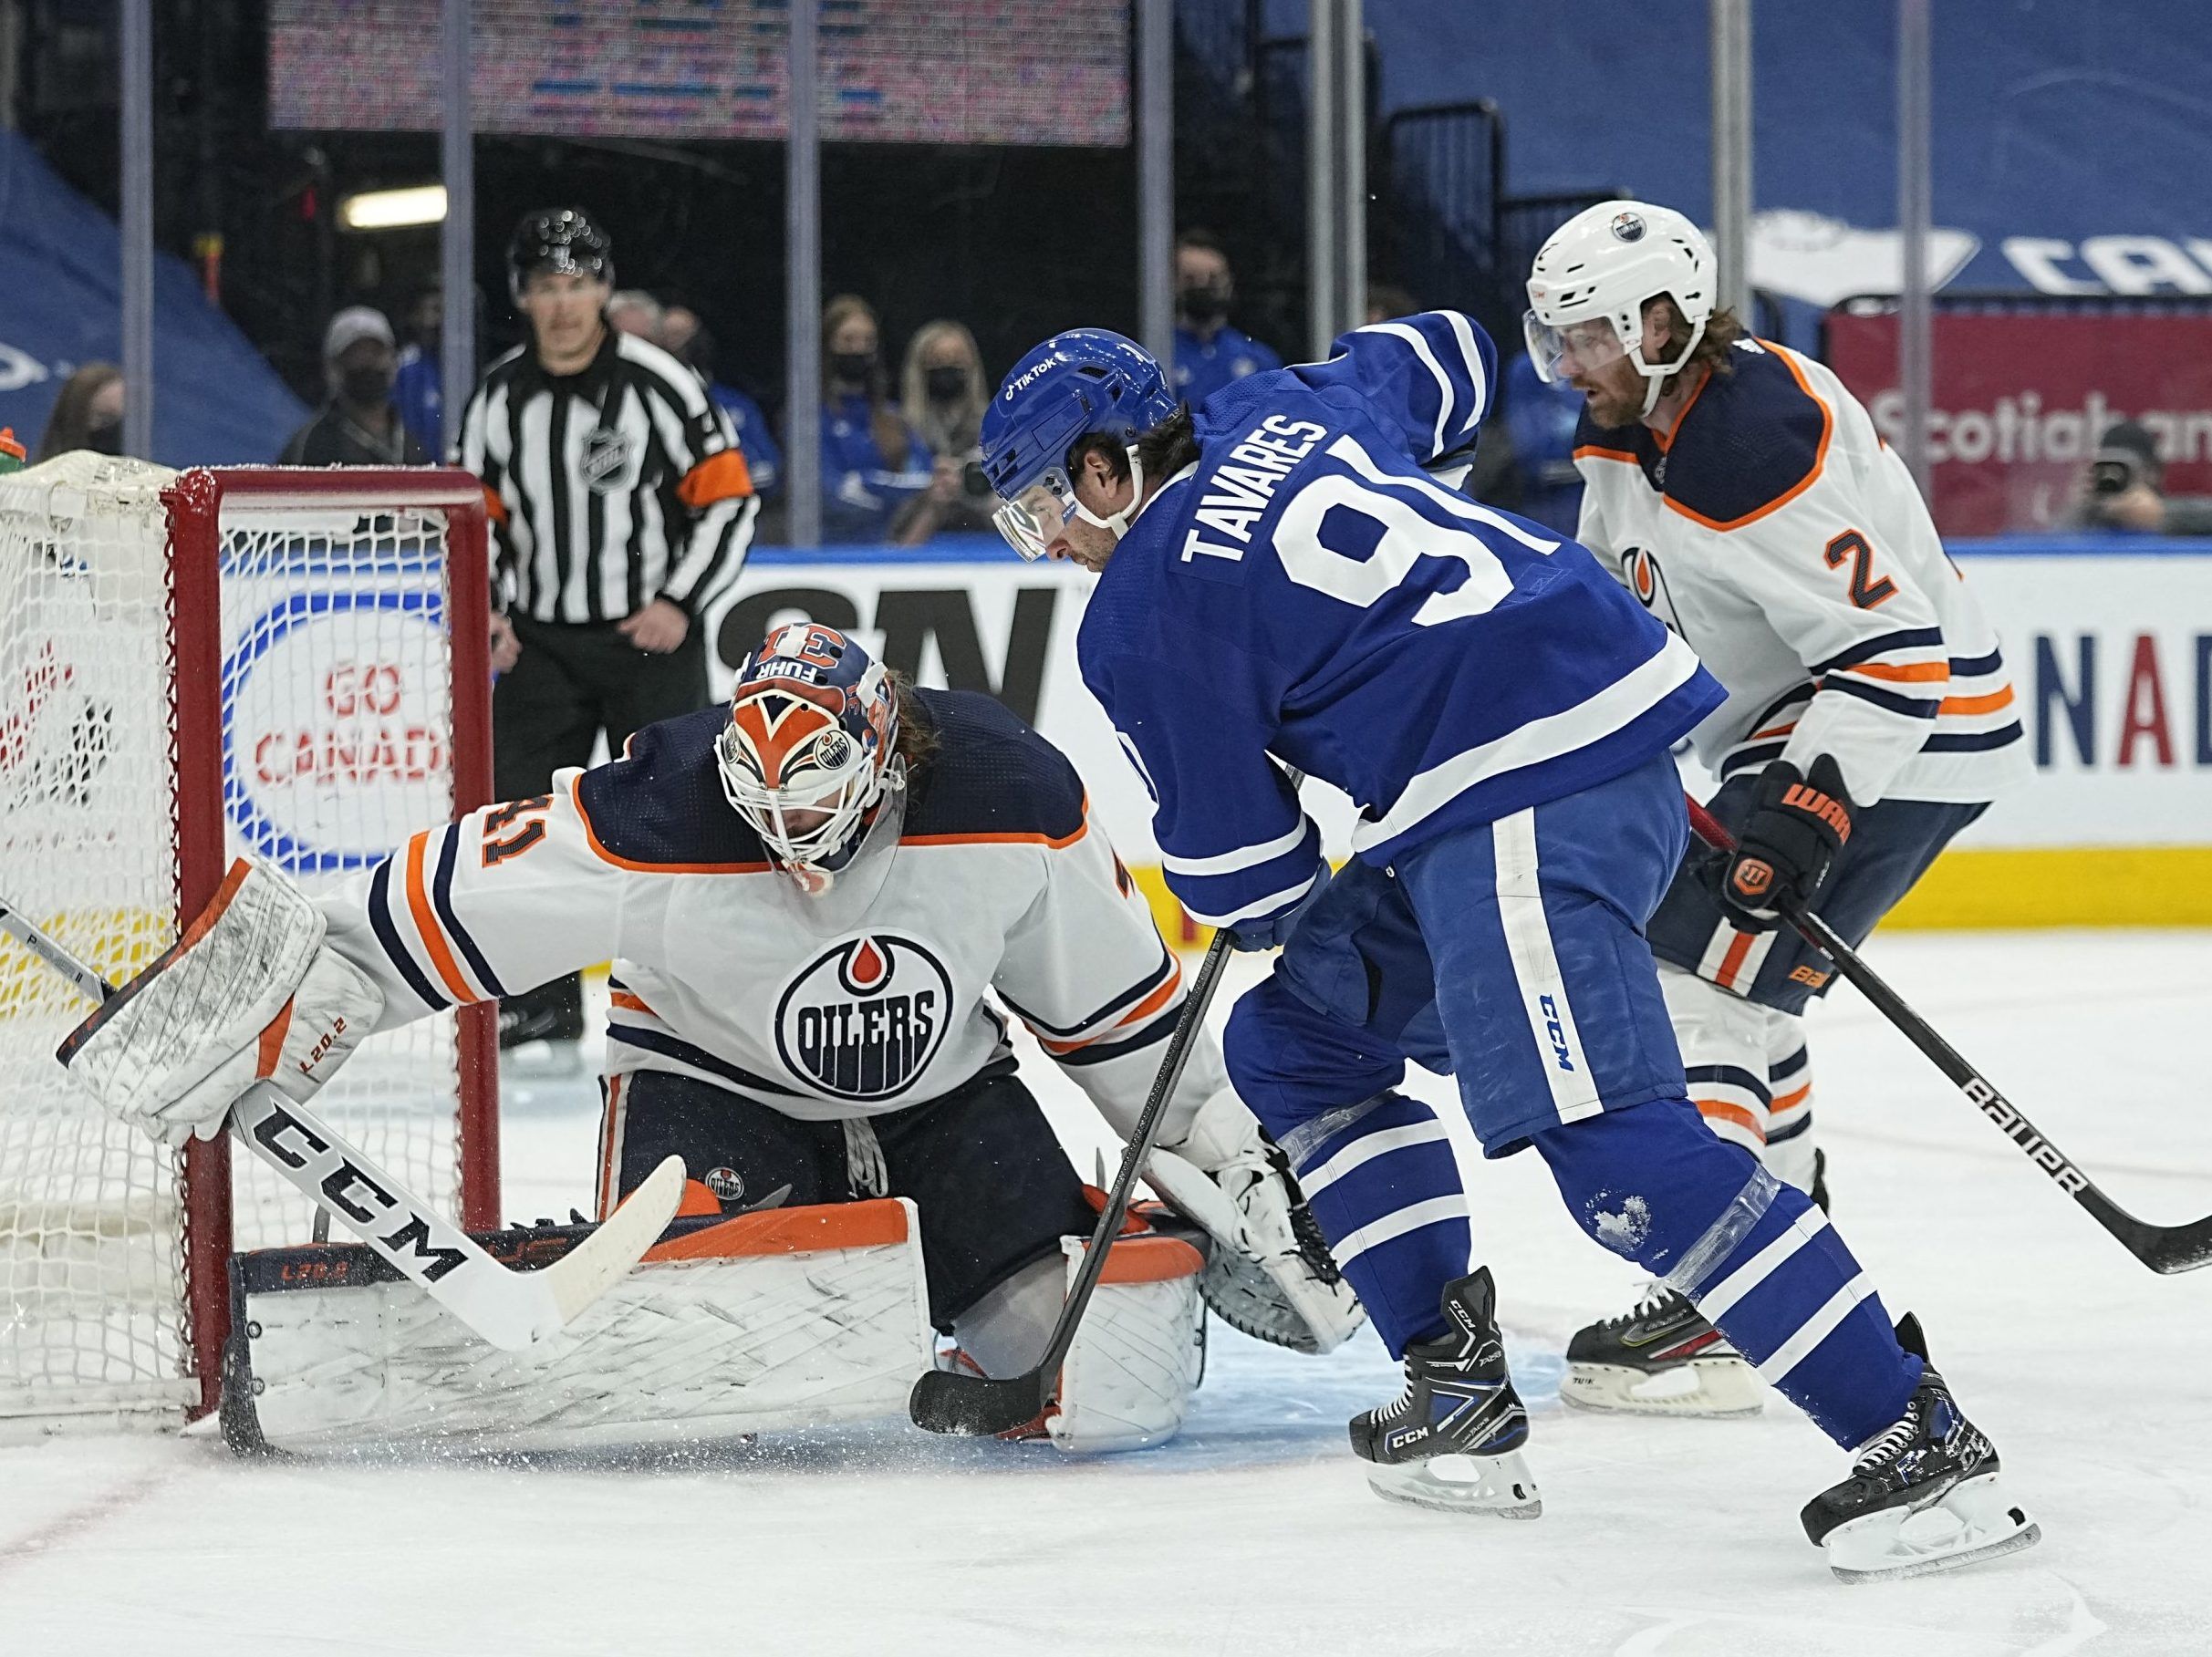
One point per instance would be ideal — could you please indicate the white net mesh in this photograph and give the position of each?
(335, 746)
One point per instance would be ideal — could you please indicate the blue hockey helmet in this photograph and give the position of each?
(1075, 383)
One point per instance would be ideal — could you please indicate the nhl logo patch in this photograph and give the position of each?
(606, 460)
(863, 1019)
(1628, 226)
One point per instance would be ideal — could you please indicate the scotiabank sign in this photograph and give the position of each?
(2020, 400)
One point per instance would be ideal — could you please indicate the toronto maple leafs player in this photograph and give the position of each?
(1743, 495)
(806, 895)
(1280, 579)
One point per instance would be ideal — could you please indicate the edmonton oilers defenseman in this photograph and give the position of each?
(1280, 575)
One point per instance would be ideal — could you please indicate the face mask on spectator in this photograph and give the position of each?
(366, 387)
(105, 437)
(853, 367)
(1203, 304)
(945, 384)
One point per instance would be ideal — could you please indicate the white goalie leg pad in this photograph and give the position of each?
(249, 993)
(786, 1319)
(1127, 1381)
(1266, 1280)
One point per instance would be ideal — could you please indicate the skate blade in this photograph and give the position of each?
(1971, 1521)
(1718, 1389)
(1496, 1486)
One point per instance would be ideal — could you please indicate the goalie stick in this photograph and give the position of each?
(511, 1310)
(2164, 1249)
(951, 1401)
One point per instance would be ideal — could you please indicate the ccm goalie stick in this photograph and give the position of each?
(511, 1310)
(2164, 1249)
(951, 1401)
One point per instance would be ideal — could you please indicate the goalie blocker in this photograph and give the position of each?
(786, 1319)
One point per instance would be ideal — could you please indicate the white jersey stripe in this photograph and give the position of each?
(1434, 1211)
(1590, 720)
(1258, 906)
(1717, 1302)
(1445, 400)
(1361, 1152)
(1243, 857)
(1816, 1330)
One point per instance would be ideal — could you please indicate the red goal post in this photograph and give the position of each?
(311, 648)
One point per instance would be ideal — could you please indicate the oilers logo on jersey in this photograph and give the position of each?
(862, 1019)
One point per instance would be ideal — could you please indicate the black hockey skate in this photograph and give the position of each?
(1660, 1358)
(1453, 1438)
(1922, 1496)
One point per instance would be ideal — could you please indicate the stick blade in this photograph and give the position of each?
(605, 1257)
(975, 1406)
(2180, 1248)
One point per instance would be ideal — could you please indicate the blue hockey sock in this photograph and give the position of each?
(1375, 1166)
(1385, 1189)
(1757, 1258)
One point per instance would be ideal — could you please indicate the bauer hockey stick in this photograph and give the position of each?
(2164, 1249)
(510, 1309)
(948, 1401)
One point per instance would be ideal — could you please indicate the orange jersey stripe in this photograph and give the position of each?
(1901, 673)
(1592, 451)
(1790, 1102)
(433, 940)
(1732, 961)
(1977, 704)
(630, 1004)
(1771, 730)
(1143, 1010)
(1721, 1111)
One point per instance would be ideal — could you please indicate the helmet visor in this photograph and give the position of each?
(1559, 354)
(1036, 513)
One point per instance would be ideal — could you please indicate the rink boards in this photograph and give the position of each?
(2109, 640)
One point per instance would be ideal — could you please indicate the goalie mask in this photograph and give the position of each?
(808, 751)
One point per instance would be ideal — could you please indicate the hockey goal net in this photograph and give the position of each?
(191, 665)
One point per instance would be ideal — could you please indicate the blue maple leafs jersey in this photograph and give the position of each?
(1305, 589)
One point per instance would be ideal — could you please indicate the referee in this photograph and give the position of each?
(621, 507)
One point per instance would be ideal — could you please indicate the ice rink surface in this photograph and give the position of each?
(1254, 1532)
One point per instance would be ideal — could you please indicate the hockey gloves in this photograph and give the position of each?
(1798, 823)
(1273, 931)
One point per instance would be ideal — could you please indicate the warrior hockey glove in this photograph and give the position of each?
(1798, 823)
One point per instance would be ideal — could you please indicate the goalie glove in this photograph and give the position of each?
(250, 993)
(1272, 1276)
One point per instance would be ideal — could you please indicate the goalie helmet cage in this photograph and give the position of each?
(289, 660)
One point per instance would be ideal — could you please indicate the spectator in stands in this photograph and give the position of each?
(1385, 300)
(943, 395)
(418, 384)
(635, 312)
(87, 414)
(683, 336)
(873, 464)
(1209, 352)
(1541, 420)
(2124, 490)
(359, 425)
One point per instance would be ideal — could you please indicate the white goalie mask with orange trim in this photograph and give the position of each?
(809, 749)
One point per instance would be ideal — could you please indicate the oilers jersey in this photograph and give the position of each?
(986, 877)
(1306, 589)
(1775, 530)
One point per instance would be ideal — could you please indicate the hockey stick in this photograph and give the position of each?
(2164, 1249)
(948, 1401)
(511, 1310)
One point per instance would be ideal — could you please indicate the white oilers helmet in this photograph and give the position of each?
(1592, 279)
(810, 748)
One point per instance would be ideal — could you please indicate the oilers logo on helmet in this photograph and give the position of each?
(863, 1019)
(1628, 226)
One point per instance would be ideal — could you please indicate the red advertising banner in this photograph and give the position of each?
(2021, 399)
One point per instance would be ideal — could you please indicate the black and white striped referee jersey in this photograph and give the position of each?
(609, 488)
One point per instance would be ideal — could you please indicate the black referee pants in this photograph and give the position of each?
(572, 681)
